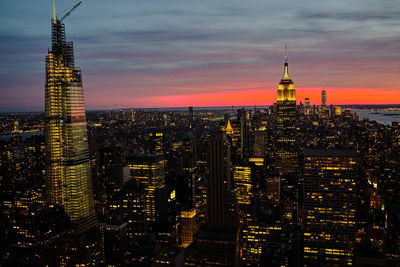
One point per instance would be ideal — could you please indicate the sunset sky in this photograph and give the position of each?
(167, 53)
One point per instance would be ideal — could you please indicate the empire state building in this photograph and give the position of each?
(68, 177)
(287, 149)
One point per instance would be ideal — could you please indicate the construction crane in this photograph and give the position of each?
(69, 12)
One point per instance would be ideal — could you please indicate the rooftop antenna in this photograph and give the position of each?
(286, 54)
(54, 13)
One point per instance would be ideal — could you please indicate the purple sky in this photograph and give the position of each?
(166, 53)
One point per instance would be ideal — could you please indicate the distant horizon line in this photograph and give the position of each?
(196, 107)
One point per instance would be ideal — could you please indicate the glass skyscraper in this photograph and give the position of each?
(68, 177)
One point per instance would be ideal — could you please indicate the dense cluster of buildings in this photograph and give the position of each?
(288, 185)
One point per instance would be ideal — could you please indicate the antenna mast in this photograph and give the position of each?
(54, 13)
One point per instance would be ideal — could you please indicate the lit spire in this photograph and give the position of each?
(286, 69)
(54, 13)
(286, 55)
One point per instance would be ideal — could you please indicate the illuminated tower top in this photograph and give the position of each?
(286, 67)
(286, 91)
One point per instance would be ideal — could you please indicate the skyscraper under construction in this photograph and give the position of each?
(68, 178)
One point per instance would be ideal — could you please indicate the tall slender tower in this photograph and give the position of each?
(323, 98)
(287, 154)
(68, 178)
(287, 157)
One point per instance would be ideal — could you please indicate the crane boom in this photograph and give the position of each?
(69, 12)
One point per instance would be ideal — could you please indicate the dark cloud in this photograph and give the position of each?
(163, 46)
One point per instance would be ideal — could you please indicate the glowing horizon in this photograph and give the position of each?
(259, 97)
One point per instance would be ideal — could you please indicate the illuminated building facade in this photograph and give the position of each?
(253, 237)
(338, 111)
(261, 225)
(68, 176)
(329, 206)
(323, 111)
(287, 150)
(133, 209)
(287, 154)
(149, 170)
(243, 186)
(156, 142)
(188, 227)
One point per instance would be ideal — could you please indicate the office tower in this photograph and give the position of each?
(36, 236)
(68, 178)
(188, 227)
(242, 176)
(169, 257)
(132, 114)
(165, 226)
(133, 208)
(200, 199)
(216, 241)
(243, 184)
(115, 241)
(243, 121)
(185, 178)
(393, 234)
(338, 110)
(323, 98)
(219, 181)
(329, 206)
(259, 143)
(287, 150)
(274, 189)
(212, 247)
(190, 110)
(149, 170)
(286, 250)
(156, 142)
(263, 224)
(117, 175)
(307, 108)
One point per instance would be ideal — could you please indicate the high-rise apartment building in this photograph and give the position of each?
(68, 177)
(329, 206)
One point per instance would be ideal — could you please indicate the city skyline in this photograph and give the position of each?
(146, 55)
